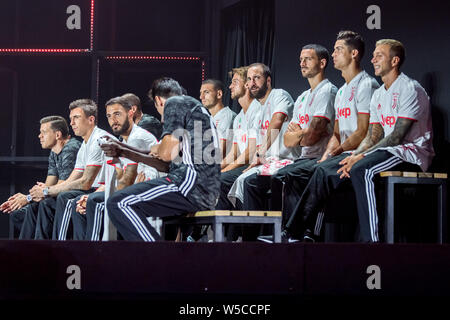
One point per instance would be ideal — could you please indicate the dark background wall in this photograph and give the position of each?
(423, 27)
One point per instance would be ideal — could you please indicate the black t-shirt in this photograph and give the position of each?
(61, 165)
(196, 171)
(151, 124)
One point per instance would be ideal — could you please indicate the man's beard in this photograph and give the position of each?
(261, 92)
(124, 128)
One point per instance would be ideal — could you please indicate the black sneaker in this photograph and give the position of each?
(286, 237)
(308, 236)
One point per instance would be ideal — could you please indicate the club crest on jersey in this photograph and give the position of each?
(387, 121)
(395, 98)
(312, 100)
(352, 95)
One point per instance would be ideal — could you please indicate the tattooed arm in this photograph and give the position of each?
(375, 140)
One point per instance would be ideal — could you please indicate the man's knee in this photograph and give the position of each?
(251, 181)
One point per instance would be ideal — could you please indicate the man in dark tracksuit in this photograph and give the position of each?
(189, 146)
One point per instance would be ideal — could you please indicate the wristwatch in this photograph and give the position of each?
(29, 198)
(45, 192)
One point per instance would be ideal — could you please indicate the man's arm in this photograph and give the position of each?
(354, 140)
(231, 156)
(245, 157)
(128, 177)
(272, 131)
(159, 158)
(76, 181)
(375, 139)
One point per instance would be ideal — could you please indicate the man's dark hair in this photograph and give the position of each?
(57, 123)
(321, 52)
(88, 106)
(353, 40)
(265, 69)
(217, 84)
(133, 100)
(165, 88)
(120, 100)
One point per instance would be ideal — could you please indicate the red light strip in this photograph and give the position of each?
(92, 24)
(203, 70)
(151, 58)
(44, 50)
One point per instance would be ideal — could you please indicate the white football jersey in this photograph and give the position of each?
(278, 101)
(353, 98)
(245, 125)
(143, 140)
(406, 98)
(316, 103)
(90, 154)
(223, 121)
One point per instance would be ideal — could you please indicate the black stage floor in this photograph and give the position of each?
(180, 276)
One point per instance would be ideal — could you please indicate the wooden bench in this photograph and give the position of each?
(392, 178)
(217, 219)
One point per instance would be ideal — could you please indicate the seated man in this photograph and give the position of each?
(400, 134)
(211, 93)
(53, 218)
(192, 183)
(54, 135)
(88, 219)
(143, 120)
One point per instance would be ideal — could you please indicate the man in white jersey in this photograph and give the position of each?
(88, 219)
(276, 111)
(351, 107)
(310, 127)
(85, 177)
(400, 132)
(244, 136)
(211, 93)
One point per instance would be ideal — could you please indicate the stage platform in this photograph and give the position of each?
(174, 275)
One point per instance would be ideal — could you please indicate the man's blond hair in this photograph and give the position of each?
(396, 49)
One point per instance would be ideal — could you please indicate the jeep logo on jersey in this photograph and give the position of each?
(344, 112)
(388, 121)
(265, 125)
(303, 119)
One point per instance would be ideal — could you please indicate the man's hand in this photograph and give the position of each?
(140, 177)
(37, 192)
(14, 203)
(111, 148)
(257, 161)
(347, 165)
(293, 127)
(81, 204)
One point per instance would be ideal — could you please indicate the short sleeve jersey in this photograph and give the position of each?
(143, 140)
(151, 124)
(316, 103)
(353, 98)
(196, 171)
(278, 101)
(61, 165)
(245, 124)
(90, 154)
(223, 121)
(406, 98)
